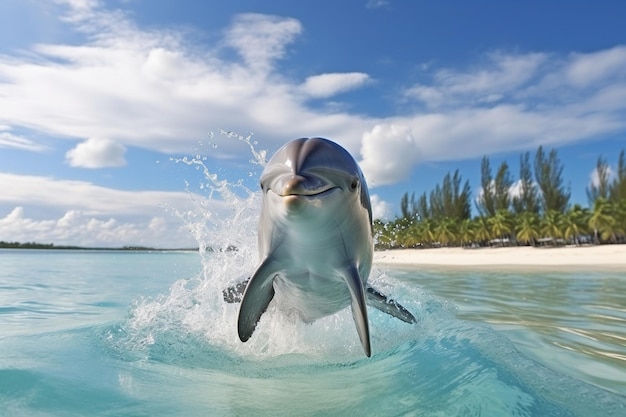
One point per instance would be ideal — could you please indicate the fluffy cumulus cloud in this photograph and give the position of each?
(97, 153)
(327, 85)
(381, 209)
(80, 213)
(389, 152)
(515, 190)
(594, 176)
(262, 39)
(74, 227)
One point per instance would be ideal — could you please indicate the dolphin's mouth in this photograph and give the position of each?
(307, 193)
(300, 186)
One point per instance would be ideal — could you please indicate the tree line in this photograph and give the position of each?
(533, 210)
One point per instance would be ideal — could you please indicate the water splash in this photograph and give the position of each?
(194, 316)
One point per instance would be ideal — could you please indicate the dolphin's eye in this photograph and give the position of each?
(354, 184)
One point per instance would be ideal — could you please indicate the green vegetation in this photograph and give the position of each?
(537, 212)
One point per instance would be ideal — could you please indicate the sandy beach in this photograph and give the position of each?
(587, 257)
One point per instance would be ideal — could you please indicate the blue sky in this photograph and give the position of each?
(97, 96)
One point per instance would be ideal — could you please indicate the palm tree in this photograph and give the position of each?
(527, 229)
(410, 237)
(465, 232)
(445, 231)
(501, 224)
(620, 217)
(551, 225)
(424, 233)
(482, 229)
(574, 223)
(601, 220)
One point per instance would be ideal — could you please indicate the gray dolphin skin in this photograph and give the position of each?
(315, 240)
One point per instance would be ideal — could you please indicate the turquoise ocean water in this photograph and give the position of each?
(146, 334)
(110, 333)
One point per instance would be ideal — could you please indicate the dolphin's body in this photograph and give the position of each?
(315, 240)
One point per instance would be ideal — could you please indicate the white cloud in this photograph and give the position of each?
(261, 39)
(586, 69)
(327, 85)
(515, 190)
(500, 75)
(76, 228)
(516, 102)
(10, 140)
(376, 4)
(86, 197)
(96, 153)
(381, 209)
(389, 153)
(81, 213)
(79, 4)
(594, 176)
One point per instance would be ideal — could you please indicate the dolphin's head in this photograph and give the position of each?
(307, 171)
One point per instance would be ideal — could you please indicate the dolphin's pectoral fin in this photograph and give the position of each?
(234, 293)
(257, 296)
(380, 301)
(359, 308)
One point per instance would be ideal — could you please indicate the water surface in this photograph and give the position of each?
(146, 334)
(573, 320)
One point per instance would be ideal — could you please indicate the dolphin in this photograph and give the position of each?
(315, 240)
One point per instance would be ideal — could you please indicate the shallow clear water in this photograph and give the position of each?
(574, 320)
(146, 334)
(86, 333)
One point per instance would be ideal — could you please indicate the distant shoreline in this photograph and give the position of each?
(593, 257)
(50, 246)
(587, 257)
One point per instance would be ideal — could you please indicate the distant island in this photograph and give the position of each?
(35, 245)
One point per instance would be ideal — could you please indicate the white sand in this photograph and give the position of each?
(585, 257)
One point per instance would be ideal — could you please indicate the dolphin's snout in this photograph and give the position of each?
(294, 186)
(300, 185)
